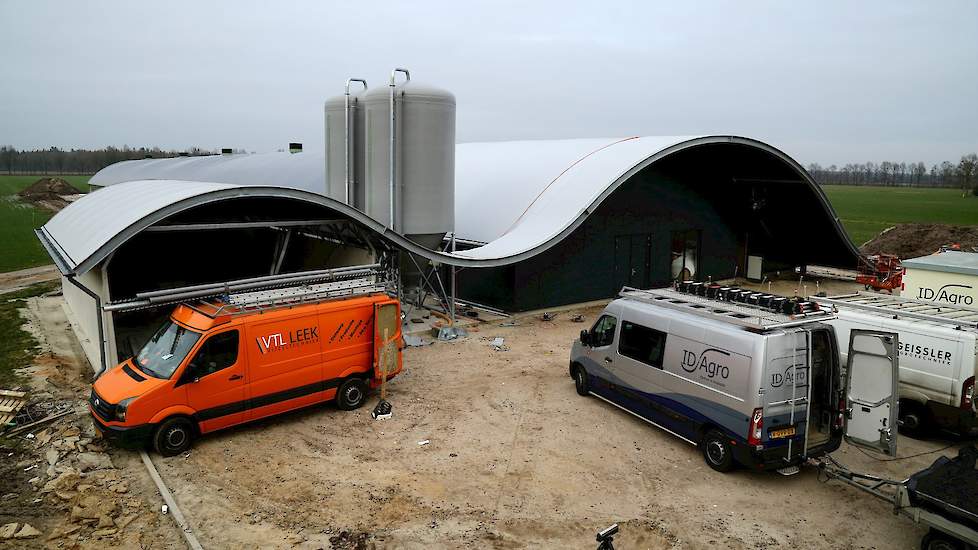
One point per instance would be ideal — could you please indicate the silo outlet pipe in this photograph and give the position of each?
(346, 134)
(393, 127)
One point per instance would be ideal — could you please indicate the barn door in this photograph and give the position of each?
(871, 390)
(632, 260)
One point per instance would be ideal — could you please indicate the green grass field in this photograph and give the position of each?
(19, 248)
(865, 211)
(17, 346)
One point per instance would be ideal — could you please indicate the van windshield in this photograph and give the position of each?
(164, 352)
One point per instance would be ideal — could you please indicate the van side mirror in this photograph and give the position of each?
(585, 338)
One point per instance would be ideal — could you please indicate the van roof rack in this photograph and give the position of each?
(957, 316)
(277, 286)
(263, 300)
(750, 316)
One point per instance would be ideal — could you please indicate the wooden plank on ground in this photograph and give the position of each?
(10, 403)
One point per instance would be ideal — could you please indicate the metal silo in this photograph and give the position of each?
(345, 146)
(411, 178)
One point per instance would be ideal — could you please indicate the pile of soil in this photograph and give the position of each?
(49, 193)
(912, 240)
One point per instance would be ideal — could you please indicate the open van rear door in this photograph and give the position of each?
(386, 323)
(871, 390)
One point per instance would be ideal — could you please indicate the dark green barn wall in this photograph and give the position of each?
(487, 286)
(642, 215)
(742, 199)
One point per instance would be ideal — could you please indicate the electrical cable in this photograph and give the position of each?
(897, 459)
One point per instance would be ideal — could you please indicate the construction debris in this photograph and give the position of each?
(548, 316)
(27, 532)
(8, 530)
(577, 319)
(39, 413)
(499, 344)
(413, 341)
(449, 333)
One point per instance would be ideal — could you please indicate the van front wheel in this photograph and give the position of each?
(580, 380)
(351, 395)
(173, 436)
(717, 452)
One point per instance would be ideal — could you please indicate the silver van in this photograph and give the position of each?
(752, 379)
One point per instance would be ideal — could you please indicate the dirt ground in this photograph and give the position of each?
(13, 281)
(50, 193)
(514, 459)
(912, 240)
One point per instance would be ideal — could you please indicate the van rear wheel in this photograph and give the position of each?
(936, 540)
(351, 395)
(913, 418)
(717, 452)
(173, 436)
(580, 380)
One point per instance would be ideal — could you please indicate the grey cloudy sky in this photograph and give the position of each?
(828, 82)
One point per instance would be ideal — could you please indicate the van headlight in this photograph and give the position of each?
(120, 409)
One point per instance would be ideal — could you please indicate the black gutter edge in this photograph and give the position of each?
(59, 260)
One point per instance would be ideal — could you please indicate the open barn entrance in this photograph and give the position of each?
(228, 240)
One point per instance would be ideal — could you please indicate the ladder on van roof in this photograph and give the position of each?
(746, 315)
(269, 290)
(959, 317)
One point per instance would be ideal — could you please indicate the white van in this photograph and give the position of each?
(938, 355)
(750, 378)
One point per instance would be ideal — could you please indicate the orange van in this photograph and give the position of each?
(211, 366)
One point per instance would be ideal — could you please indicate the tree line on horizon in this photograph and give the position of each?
(82, 161)
(963, 175)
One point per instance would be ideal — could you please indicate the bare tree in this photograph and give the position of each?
(966, 172)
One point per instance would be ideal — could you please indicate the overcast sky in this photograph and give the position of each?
(833, 82)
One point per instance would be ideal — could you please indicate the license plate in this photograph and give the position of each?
(782, 433)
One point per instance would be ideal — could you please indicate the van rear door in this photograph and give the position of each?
(871, 390)
(386, 325)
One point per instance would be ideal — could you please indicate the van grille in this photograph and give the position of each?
(102, 408)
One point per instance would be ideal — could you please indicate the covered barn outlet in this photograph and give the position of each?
(536, 224)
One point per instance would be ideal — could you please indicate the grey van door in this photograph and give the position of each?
(871, 390)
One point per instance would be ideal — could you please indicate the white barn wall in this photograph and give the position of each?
(80, 310)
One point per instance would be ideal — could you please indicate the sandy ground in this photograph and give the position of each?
(515, 459)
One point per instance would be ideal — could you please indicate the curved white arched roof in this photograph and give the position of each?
(520, 198)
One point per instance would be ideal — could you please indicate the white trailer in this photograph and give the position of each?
(938, 355)
(948, 278)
